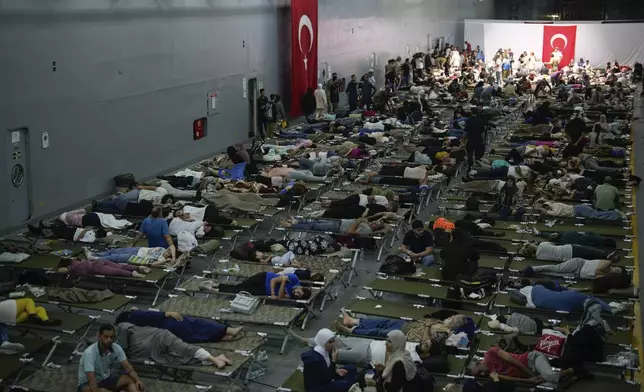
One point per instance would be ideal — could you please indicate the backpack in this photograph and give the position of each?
(124, 180)
(481, 285)
(423, 380)
(396, 265)
(472, 204)
(243, 252)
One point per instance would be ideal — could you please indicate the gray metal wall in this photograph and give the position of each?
(131, 76)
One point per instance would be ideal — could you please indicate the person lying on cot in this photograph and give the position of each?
(578, 238)
(268, 284)
(548, 251)
(59, 230)
(164, 348)
(185, 222)
(360, 226)
(359, 199)
(323, 166)
(18, 311)
(96, 362)
(209, 214)
(152, 257)
(558, 298)
(101, 267)
(517, 323)
(290, 173)
(188, 329)
(320, 372)
(416, 331)
(576, 267)
(370, 212)
(362, 352)
(287, 259)
(588, 162)
(558, 209)
(118, 204)
(80, 218)
(368, 178)
(532, 367)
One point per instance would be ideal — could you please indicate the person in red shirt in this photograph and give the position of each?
(533, 367)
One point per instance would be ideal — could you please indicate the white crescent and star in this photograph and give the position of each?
(305, 21)
(555, 37)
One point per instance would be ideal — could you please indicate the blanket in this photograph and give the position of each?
(247, 202)
(76, 295)
(108, 221)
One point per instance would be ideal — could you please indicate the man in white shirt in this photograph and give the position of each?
(576, 268)
(118, 204)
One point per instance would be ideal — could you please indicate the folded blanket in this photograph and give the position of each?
(76, 295)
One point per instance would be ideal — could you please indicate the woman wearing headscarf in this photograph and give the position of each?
(399, 373)
(320, 102)
(320, 373)
(510, 199)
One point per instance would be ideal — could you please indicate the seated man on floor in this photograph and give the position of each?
(538, 296)
(270, 284)
(360, 226)
(548, 251)
(606, 196)
(97, 359)
(164, 348)
(418, 244)
(557, 209)
(188, 329)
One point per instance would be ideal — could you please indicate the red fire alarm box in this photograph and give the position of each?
(199, 128)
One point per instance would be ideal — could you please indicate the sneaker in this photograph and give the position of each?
(137, 274)
(494, 324)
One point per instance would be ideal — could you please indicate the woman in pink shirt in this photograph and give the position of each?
(101, 267)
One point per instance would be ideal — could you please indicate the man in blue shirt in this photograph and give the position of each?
(94, 368)
(269, 284)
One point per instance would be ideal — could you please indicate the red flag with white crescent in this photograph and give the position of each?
(304, 50)
(563, 38)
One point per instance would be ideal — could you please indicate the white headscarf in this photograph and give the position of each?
(322, 337)
(399, 353)
(320, 87)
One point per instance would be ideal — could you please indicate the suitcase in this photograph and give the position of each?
(244, 303)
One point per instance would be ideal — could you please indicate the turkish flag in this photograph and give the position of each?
(562, 37)
(304, 50)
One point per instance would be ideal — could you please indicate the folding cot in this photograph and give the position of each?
(110, 305)
(519, 263)
(423, 290)
(433, 272)
(348, 188)
(72, 325)
(193, 286)
(218, 308)
(557, 226)
(12, 366)
(65, 378)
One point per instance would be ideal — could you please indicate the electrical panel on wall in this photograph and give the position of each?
(213, 103)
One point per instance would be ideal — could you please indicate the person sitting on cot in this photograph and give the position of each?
(360, 226)
(417, 330)
(268, 284)
(557, 209)
(18, 311)
(164, 348)
(576, 267)
(320, 373)
(101, 267)
(548, 251)
(188, 329)
(152, 257)
(118, 204)
(557, 298)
